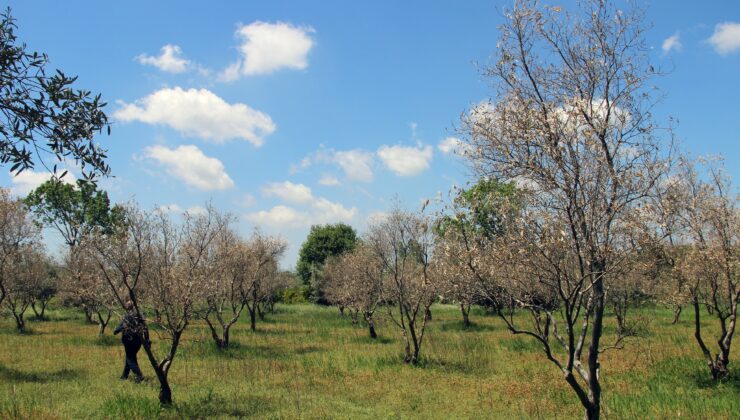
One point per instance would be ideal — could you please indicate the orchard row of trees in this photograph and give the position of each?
(585, 204)
(583, 208)
(170, 273)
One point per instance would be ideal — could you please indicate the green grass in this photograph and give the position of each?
(307, 362)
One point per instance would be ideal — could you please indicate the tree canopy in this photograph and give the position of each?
(73, 210)
(323, 241)
(42, 115)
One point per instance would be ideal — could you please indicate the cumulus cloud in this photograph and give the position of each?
(329, 181)
(726, 38)
(321, 212)
(288, 191)
(326, 211)
(672, 43)
(279, 216)
(199, 113)
(190, 165)
(356, 164)
(313, 210)
(268, 47)
(406, 161)
(169, 60)
(28, 180)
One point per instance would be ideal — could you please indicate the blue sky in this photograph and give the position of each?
(288, 113)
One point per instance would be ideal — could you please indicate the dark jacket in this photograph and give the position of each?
(131, 326)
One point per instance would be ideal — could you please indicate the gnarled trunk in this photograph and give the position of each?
(676, 314)
(103, 321)
(371, 324)
(465, 309)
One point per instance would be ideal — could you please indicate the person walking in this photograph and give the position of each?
(131, 326)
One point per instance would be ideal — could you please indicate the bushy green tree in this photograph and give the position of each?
(322, 242)
(73, 210)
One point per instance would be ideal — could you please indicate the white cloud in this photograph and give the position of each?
(326, 211)
(329, 181)
(406, 161)
(288, 191)
(726, 37)
(279, 216)
(672, 43)
(190, 165)
(315, 210)
(28, 180)
(199, 113)
(356, 164)
(452, 145)
(268, 47)
(170, 60)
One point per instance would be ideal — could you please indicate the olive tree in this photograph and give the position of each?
(160, 267)
(570, 124)
(701, 247)
(401, 247)
(355, 280)
(80, 285)
(243, 280)
(44, 290)
(263, 254)
(24, 274)
(17, 232)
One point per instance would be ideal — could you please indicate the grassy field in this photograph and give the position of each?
(307, 362)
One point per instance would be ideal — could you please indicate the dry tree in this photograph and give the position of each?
(570, 124)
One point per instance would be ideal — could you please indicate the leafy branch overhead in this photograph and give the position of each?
(42, 115)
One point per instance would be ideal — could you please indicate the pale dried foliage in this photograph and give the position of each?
(161, 268)
(80, 285)
(570, 125)
(401, 245)
(699, 225)
(247, 278)
(354, 280)
(17, 232)
(24, 275)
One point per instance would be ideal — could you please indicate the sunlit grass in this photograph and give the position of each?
(307, 362)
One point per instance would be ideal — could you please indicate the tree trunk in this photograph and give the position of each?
(371, 324)
(341, 311)
(38, 314)
(676, 314)
(465, 314)
(593, 408)
(165, 392)
(260, 312)
(88, 315)
(225, 341)
(428, 314)
(103, 322)
(20, 323)
(253, 319)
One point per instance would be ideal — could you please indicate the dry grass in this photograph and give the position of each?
(307, 362)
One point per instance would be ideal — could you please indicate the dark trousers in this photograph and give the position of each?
(131, 363)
